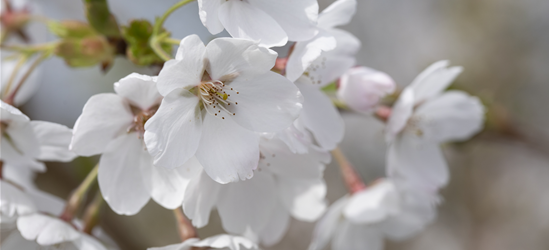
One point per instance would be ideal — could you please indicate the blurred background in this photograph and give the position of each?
(497, 197)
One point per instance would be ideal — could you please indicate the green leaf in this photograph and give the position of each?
(137, 35)
(101, 19)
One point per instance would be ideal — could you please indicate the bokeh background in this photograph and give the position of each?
(498, 195)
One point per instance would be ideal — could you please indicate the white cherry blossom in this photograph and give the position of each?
(272, 23)
(25, 143)
(425, 116)
(49, 231)
(13, 203)
(319, 122)
(216, 98)
(222, 241)
(285, 184)
(329, 54)
(25, 227)
(362, 88)
(113, 125)
(363, 220)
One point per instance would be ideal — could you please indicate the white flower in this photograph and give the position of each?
(49, 231)
(113, 125)
(312, 65)
(13, 203)
(425, 116)
(24, 143)
(272, 23)
(284, 185)
(21, 223)
(361, 88)
(361, 221)
(319, 122)
(215, 98)
(328, 55)
(222, 241)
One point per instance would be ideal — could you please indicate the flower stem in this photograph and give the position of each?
(16, 69)
(78, 195)
(184, 226)
(35, 64)
(350, 175)
(91, 216)
(156, 39)
(172, 41)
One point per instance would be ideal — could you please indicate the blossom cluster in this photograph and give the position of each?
(233, 126)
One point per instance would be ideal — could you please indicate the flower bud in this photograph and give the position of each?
(85, 52)
(362, 88)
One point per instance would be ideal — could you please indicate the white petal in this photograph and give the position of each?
(54, 141)
(46, 230)
(243, 20)
(200, 198)
(14, 202)
(321, 117)
(12, 115)
(277, 226)
(433, 80)
(247, 204)
(422, 164)
(229, 58)
(227, 151)
(373, 204)
(402, 111)
(19, 144)
(338, 13)
(304, 53)
(297, 18)
(266, 103)
(186, 69)
(186, 245)
(14, 241)
(208, 11)
(139, 90)
(296, 137)
(173, 133)
(47, 203)
(21, 176)
(278, 159)
(417, 212)
(357, 237)
(103, 118)
(452, 116)
(304, 198)
(120, 177)
(327, 226)
(88, 243)
(224, 241)
(168, 185)
(334, 63)
(12, 146)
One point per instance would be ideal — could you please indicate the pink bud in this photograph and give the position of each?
(362, 88)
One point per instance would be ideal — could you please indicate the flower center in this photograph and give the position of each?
(216, 97)
(140, 117)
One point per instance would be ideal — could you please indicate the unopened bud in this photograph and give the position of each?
(85, 52)
(362, 88)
